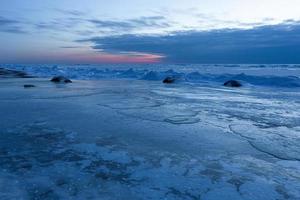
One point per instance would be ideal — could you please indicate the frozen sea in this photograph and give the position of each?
(117, 132)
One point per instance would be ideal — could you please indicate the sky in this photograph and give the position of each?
(150, 31)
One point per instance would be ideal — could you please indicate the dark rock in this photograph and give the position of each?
(232, 83)
(7, 73)
(60, 79)
(169, 80)
(28, 86)
(61, 182)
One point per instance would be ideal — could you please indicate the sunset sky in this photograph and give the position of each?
(150, 31)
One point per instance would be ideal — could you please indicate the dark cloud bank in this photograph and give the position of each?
(265, 44)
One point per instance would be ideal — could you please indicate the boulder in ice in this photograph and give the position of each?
(169, 80)
(232, 83)
(29, 86)
(60, 79)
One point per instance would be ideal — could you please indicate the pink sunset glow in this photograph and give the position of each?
(87, 57)
(115, 58)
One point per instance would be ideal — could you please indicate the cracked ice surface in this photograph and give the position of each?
(141, 140)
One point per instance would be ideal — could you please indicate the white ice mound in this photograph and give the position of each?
(280, 142)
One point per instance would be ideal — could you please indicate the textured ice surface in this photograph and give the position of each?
(134, 139)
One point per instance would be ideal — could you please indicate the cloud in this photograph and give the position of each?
(80, 25)
(4, 21)
(131, 24)
(10, 26)
(71, 12)
(71, 47)
(265, 44)
(62, 24)
(122, 25)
